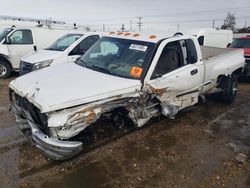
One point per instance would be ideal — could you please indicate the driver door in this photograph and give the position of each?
(176, 78)
(20, 44)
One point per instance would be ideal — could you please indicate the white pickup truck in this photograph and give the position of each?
(66, 49)
(142, 76)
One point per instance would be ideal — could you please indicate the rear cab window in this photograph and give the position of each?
(201, 40)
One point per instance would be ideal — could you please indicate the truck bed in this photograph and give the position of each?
(217, 62)
(210, 52)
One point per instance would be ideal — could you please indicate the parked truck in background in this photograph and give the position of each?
(244, 43)
(64, 50)
(15, 42)
(139, 76)
(215, 37)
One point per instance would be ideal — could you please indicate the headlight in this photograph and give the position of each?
(42, 64)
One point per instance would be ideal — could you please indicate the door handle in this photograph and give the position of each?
(193, 72)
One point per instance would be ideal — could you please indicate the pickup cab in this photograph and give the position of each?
(140, 75)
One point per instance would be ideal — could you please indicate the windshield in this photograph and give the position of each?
(118, 57)
(4, 33)
(241, 43)
(64, 42)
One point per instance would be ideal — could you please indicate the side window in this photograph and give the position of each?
(171, 58)
(84, 45)
(175, 54)
(21, 37)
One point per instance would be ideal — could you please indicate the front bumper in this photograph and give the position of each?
(53, 148)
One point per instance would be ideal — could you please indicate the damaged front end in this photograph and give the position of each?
(52, 132)
(33, 124)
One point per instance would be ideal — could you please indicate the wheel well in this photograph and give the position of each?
(223, 81)
(119, 112)
(6, 60)
(238, 72)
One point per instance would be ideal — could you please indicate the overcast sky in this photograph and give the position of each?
(157, 14)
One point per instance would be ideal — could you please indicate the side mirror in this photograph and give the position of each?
(77, 59)
(7, 40)
(228, 45)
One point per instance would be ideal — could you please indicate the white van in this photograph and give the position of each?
(64, 50)
(15, 42)
(215, 37)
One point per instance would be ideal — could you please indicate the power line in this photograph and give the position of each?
(197, 12)
(188, 21)
(176, 14)
(177, 21)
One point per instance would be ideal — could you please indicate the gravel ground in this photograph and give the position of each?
(207, 146)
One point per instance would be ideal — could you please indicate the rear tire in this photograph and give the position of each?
(231, 92)
(5, 69)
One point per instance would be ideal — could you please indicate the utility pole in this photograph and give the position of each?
(103, 27)
(130, 28)
(213, 23)
(139, 23)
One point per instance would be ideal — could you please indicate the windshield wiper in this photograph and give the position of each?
(101, 69)
(53, 49)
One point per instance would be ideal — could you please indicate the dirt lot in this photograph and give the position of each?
(203, 147)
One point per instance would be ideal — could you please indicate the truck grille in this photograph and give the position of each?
(40, 119)
(25, 67)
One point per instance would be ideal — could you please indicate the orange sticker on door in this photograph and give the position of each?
(136, 72)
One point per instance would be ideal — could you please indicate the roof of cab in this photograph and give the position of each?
(140, 36)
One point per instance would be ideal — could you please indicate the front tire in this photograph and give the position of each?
(231, 92)
(5, 69)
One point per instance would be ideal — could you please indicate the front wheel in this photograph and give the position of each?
(231, 92)
(5, 69)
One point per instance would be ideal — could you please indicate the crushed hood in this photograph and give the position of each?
(69, 85)
(42, 55)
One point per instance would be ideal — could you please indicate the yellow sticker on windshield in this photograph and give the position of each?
(136, 72)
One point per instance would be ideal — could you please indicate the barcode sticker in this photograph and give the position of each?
(138, 47)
